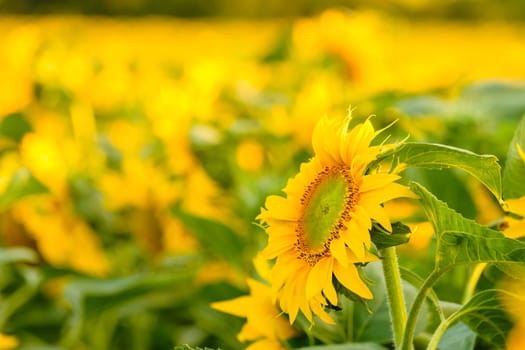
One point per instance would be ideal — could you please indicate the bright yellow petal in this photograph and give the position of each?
(376, 181)
(517, 206)
(379, 213)
(248, 332)
(280, 208)
(317, 276)
(355, 237)
(318, 310)
(266, 344)
(276, 247)
(350, 279)
(338, 251)
(386, 193)
(357, 140)
(328, 288)
(515, 230)
(237, 307)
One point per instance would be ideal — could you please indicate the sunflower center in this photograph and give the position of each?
(327, 202)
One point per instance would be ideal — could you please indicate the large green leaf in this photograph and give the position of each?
(458, 337)
(435, 156)
(461, 240)
(99, 305)
(485, 315)
(22, 184)
(513, 184)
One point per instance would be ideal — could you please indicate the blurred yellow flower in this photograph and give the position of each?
(43, 156)
(322, 227)
(58, 234)
(8, 342)
(250, 155)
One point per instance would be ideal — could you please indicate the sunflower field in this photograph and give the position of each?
(349, 180)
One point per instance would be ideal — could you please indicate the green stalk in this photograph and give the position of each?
(408, 336)
(438, 333)
(396, 301)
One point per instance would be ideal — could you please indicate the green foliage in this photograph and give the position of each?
(14, 126)
(513, 184)
(458, 337)
(434, 156)
(485, 315)
(21, 184)
(219, 239)
(462, 240)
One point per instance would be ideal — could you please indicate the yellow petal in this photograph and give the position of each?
(350, 279)
(318, 310)
(386, 193)
(338, 251)
(379, 213)
(375, 181)
(237, 307)
(317, 276)
(266, 344)
(280, 208)
(248, 332)
(516, 230)
(354, 236)
(517, 206)
(329, 290)
(276, 247)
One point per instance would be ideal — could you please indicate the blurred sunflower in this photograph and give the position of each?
(322, 227)
(264, 324)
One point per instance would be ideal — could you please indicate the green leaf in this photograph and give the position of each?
(461, 240)
(14, 126)
(435, 156)
(383, 239)
(485, 315)
(18, 254)
(513, 184)
(97, 305)
(458, 337)
(219, 239)
(349, 346)
(22, 184)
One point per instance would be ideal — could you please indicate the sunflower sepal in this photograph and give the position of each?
(382, 238)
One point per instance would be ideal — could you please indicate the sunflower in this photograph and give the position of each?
(320, 230)
(265, 325)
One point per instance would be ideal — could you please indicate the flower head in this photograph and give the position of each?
(321, 228)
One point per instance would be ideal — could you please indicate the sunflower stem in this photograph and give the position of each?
(396, 300)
